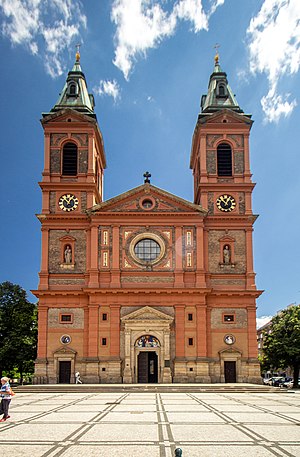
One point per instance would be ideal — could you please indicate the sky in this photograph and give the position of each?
(148, 62)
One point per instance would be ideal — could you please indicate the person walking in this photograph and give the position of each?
(5, 398)
(77, 378)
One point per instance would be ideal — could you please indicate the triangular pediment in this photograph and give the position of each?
(146, 314)
(147, 198)
(225, 116)
(227, 238)
(66, 115)
(64, 350)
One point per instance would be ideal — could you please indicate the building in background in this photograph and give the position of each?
(146, 287)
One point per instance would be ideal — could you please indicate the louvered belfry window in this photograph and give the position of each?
(69, 167)
(224, 157)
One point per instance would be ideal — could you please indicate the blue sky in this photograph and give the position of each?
(148, 62)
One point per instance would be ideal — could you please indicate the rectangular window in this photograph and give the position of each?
(188, 238)
(105, 259)
(191, 341)
(66, 318)
(228, 318)
(103, 341)
(190, 316)
(105, 237)
(104, 317)
(189, 259)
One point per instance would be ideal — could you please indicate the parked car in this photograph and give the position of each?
(274, 381)
(290, 383)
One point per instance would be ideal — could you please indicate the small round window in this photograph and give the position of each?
(147, 203)
(147, 250)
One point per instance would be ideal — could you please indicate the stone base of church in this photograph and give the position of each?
(201, 370)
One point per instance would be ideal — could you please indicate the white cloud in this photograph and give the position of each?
(143, 24)
(261, 321)
(274, 47)
(110, 88)
(46, 28)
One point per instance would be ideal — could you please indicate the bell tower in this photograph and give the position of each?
(74, 163)
(223, 185)
(221, 166)
(74, 152)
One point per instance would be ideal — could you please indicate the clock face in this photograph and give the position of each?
(226, 203)
(68, 202)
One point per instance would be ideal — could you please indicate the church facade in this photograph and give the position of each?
(146, 287)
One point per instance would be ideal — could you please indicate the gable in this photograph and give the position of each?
(145, 199)
(146, 313)
(226, 116)
(66, 115)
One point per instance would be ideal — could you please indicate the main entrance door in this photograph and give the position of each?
(64, 372)
(147, 367)
(230, 371)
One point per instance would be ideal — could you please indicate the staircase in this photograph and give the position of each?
(141, 388)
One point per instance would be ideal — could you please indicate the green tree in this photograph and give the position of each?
(281, 347)
(18, 330)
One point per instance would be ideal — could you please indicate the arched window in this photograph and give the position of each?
(69, 162)
(224, 158)
(72, 89)
(221, 91)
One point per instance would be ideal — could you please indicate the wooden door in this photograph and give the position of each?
(230, 371)
(64, 372)
(143, 367)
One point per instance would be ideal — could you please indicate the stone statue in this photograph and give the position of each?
(68, 254)
(226, 255)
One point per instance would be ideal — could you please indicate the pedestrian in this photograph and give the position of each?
(77, 378)
(5, 398)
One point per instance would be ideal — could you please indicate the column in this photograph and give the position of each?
(201, 330)
(180, 330)
(202, 153)
(42, 331)
(178, 258)
(250, 275)
(115, 270)
(93, 331)
(252, 339)
(200, 273)
(127, 374)
(115, 330)
(94, 282)
(46, 172)
(44, 259)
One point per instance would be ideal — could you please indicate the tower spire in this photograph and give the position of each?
(75, 93)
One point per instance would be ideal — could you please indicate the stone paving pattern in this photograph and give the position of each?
(152, 425)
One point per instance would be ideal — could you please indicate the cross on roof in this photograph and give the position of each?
(147, 175)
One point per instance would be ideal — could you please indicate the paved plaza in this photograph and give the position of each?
(152, 425)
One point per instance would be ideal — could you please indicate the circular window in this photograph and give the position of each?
(65, 339)
(147, 203)
(147, 248)
(229, 339)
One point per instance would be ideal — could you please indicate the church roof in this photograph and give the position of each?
(75, 93)
(219, 95)
(129, 202)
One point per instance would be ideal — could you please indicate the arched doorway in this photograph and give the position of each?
(147, 359)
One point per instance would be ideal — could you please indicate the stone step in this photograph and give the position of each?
(140, 388)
